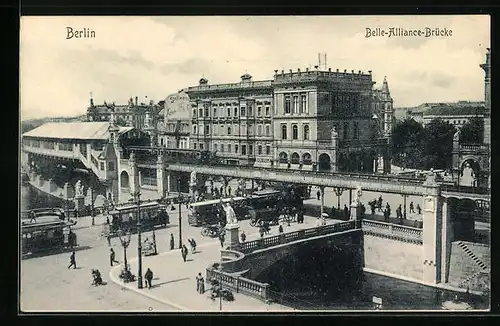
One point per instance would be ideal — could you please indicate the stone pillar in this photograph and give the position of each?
(79, 204)
(355, 210)
(134, 175)
(322, 191)
(232, 236)
(160, 176)
(68, 191)
(446, 239)
(169, 188)
(432, 219)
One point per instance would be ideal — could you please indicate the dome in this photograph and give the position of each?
(177, 107)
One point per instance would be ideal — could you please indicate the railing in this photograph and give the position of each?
(267, 83)
(392, 231)
(465, 189)
(239, 284)
(283, 238)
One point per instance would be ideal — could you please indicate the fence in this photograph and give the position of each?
(392, 231)
(297, 235)
(239, 284)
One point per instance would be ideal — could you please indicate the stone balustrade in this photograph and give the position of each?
(239, 284)
(393, 231)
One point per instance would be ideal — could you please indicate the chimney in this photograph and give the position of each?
(298, 70)
(307, 69)
(352, 71)
(136, 99)
(290, 70)
(329, 69)
(337, 69)
(282, 72)
(345, 71)
(370, 72)
(359, 72)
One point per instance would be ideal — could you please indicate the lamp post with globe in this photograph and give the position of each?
(126, 275)
(137, 196)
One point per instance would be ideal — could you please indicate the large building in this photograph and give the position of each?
(311, 120)
(456, 114)
(174, 122)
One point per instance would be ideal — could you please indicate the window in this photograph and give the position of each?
(295, 104)
(161, 141)
(259, 111)
(283, 131)
(355, 130)
(194, 145)
(194, 113)
(259, 130)
(306, 159)
(215, 147)
(346, 127)
(259, 149)
(243, 111)
(207, 130)
(235, 112)
(306, 132)
(200, 112)
(243, 149)
(250, 110)
(295, 158)
(283, 157)
(111, 166)
(304, 107)
(229, 148)
(268, 130)
(287, 104)
(222, 148)
(201, 146)
(215, 131)
(207, 113)
(236, 149)
(66, 147)
(102, 166)
(194, 130)
(268, 150)
(228, 130)
(250, 149)
(268, 111)
(215, 112)
(228, 112)
(236, 129)
(222, 129)
(295, 132)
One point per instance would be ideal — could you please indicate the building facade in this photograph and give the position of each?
(174, 122)
(310, 120)
(457, 115)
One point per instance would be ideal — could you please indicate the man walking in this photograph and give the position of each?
(172, 242)
(184, 252)
(72, 260)
(221, 238)
(112, 257)
(198, 285)
(149, 277)
(412, 210)
(318, 194)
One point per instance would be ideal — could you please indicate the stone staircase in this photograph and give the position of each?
(469, 253)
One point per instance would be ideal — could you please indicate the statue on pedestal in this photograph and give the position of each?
(334, 133)
(78, 189)
(193, 178)
(357, 196)
(456, 136)
(230, 214)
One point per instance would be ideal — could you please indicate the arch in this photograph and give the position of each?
(283, 157)
(124, 179)
(295, 158)
(306, 159)
(324, 162)
(283, 132)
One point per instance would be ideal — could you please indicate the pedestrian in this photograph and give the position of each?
(243, 236)
(75, 213)
(411, 208)
(379, 204)
(172, 242)
(388, 208)
(149, 277)
(419, 210)
(184, 252)
(221, 238)
(229, 191)
(72, 260)
(112, 257)
(346, 212)
(32, 217)
(280, 229)
(202, 284)
(363, 210)
(318, 194)
(261, 231)
(198, 285)
(221, 191)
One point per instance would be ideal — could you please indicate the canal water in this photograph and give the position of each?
(319, 286)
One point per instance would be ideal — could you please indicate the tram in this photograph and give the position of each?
(46, 229)
(124, 217)
(268, 205)
(205, 212)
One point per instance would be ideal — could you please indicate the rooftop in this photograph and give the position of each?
(455, 110)
(74, 130)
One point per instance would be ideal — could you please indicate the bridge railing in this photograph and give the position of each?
(466, 189)
(239, 284)
(283, 238)
(393, 231)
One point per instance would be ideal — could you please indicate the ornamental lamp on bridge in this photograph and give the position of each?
(125, 241)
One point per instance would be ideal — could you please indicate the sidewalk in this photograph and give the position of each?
(174, 282)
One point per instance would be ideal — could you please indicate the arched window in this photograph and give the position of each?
(283, 132)
(194, 130)
(259, 130)
(268, 130)
(295, 132)
(283, 157)
(306, 132)
(295, 158)
(306, 159)
(228, 130)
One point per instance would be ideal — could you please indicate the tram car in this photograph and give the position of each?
(268, 205)
(44, 230)
(124, 217)
(210, 212)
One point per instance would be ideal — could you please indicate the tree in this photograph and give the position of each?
(407, 143)
(438, 145)
(121, 122)
(472, 131)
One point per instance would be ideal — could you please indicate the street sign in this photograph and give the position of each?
(377, 300)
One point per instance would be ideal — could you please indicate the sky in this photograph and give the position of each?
(152, 57)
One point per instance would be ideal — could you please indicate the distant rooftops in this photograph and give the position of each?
(454, 110)
(74, 130)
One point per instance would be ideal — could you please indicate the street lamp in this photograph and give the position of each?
(404, 205)
(92, 205)
(125, 241)
(154, 241)
(180, 220)
(137, 196)
(338, 191)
